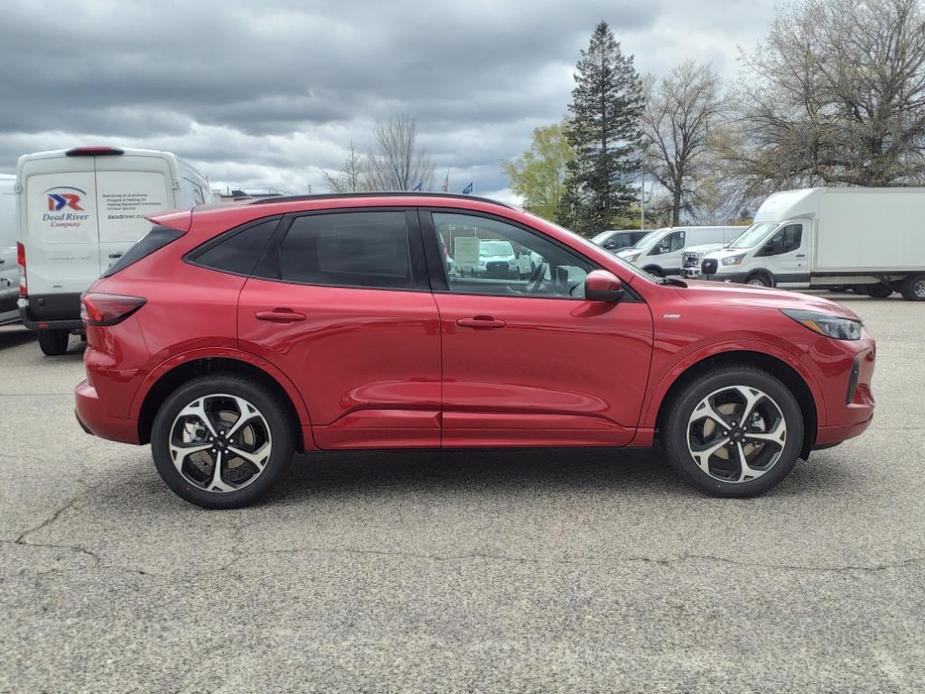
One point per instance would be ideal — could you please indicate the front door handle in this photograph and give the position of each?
(480, 322)
(801, 255)
(280, 315)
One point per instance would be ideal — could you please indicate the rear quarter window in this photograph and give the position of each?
(236, 251)
(153, 241)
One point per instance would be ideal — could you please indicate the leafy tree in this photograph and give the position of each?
(836, 95)
(603, 129)
(539, 175)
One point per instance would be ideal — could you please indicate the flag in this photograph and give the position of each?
(468, 188)
(446, 182)
(419, 186)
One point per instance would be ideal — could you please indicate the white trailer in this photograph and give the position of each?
(79, 211)
(872, 239)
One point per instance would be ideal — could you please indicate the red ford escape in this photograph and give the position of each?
(231, 337)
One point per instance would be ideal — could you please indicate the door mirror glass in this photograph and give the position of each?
(602, 285)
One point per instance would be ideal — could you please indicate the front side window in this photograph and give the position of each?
(353, 249)
(487, 256)
(786, 240)
(669, 244)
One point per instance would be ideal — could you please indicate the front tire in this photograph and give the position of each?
(53, 342)
(222, 441)
(759, 279)
(734, 432)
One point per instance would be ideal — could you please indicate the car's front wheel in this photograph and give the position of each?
(734, 432)
(221, 441)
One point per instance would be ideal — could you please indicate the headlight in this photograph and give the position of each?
(733, 259)
(827, 324)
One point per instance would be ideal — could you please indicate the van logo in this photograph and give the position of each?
(57, 201)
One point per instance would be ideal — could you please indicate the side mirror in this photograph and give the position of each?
(602, 285)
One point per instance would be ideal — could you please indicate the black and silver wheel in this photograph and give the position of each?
(737, 432)
(53, 343)
(913, 288)
(759, 279)
(221, 441)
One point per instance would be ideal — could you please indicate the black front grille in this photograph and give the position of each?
(498, 266)
(709, 266)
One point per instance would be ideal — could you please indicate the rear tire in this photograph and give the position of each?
(250, 457)
(774, 416)
(878, 291)
(913, 288)
(54, 342)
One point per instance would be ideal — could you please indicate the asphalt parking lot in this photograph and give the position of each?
(514, 571)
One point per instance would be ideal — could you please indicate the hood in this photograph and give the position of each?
(720, 252)
(745, 295)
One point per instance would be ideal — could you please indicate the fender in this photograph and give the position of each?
(168, 365)
(659, 389)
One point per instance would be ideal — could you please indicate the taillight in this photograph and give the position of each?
(97, 308)
(21, 261)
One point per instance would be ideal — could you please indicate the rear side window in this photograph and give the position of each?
(155, 240)
(237, 251)
(354, 249)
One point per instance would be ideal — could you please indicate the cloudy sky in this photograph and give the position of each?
(267, 95)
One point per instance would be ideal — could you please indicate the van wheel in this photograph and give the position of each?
(54, 342)
(655, 271)
(759, 279)
(879, 291)
(734, 432)
(913, 288)
(222, 441)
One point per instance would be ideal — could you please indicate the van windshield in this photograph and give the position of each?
(752, 236)
(647, 240)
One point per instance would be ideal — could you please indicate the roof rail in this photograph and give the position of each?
(379, 194)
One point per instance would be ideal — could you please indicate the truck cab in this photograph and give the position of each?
(768, 254)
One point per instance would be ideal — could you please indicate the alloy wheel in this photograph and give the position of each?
(220, 443)
(736, 434)
(918, 288)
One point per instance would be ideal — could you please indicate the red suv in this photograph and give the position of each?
(231, 337)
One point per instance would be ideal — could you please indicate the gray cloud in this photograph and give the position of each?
(268, 94)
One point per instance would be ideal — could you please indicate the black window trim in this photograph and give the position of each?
(268, 268)
(438, 279)
(192, 257)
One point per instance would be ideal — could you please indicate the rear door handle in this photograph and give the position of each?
(480, 322)
(280, 315)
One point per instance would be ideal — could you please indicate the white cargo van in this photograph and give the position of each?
(660, 252)
(870, 238)
(9, 272)
(79, 210)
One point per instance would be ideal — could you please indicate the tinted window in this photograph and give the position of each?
(239, 251)
(529, 266)
(786, 240)
(154, 240)
(358, 249)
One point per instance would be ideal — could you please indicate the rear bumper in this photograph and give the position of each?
(51, 312)
(93, 416)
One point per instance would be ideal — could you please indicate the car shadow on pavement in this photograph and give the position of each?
(14, 336)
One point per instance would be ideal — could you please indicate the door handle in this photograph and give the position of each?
(280, 315)
(115, 255)
(480, 322)
(800, 255)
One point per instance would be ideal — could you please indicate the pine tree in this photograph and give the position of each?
(603, 129)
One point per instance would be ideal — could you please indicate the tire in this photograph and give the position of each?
(913, 288)
(654, 270)
(878, 291)
(685, 433)
(54, 342)
(759, 279)
(222, 396)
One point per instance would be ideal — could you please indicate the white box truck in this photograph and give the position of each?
(79, 211)
(660, 253)
(9, 272)
(872, 239)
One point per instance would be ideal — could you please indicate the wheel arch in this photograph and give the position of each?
(171, 375)
(777, 367)
(659, 271)
(762, 272)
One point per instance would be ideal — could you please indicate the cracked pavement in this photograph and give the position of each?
(542, 570)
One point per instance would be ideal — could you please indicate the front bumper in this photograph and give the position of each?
(849, 399)
(94, 417)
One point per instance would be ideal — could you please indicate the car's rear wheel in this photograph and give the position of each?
(53, 342)
(735, 432)
(221, 441)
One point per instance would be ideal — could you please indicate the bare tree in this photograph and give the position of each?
(836, 95)
(396, 162)
(680, 110)
(352, 179)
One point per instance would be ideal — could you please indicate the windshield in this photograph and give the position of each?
(648, 240)
(752, 236)
(496, 248)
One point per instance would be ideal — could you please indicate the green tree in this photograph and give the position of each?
(539, 175)
(603, 129)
